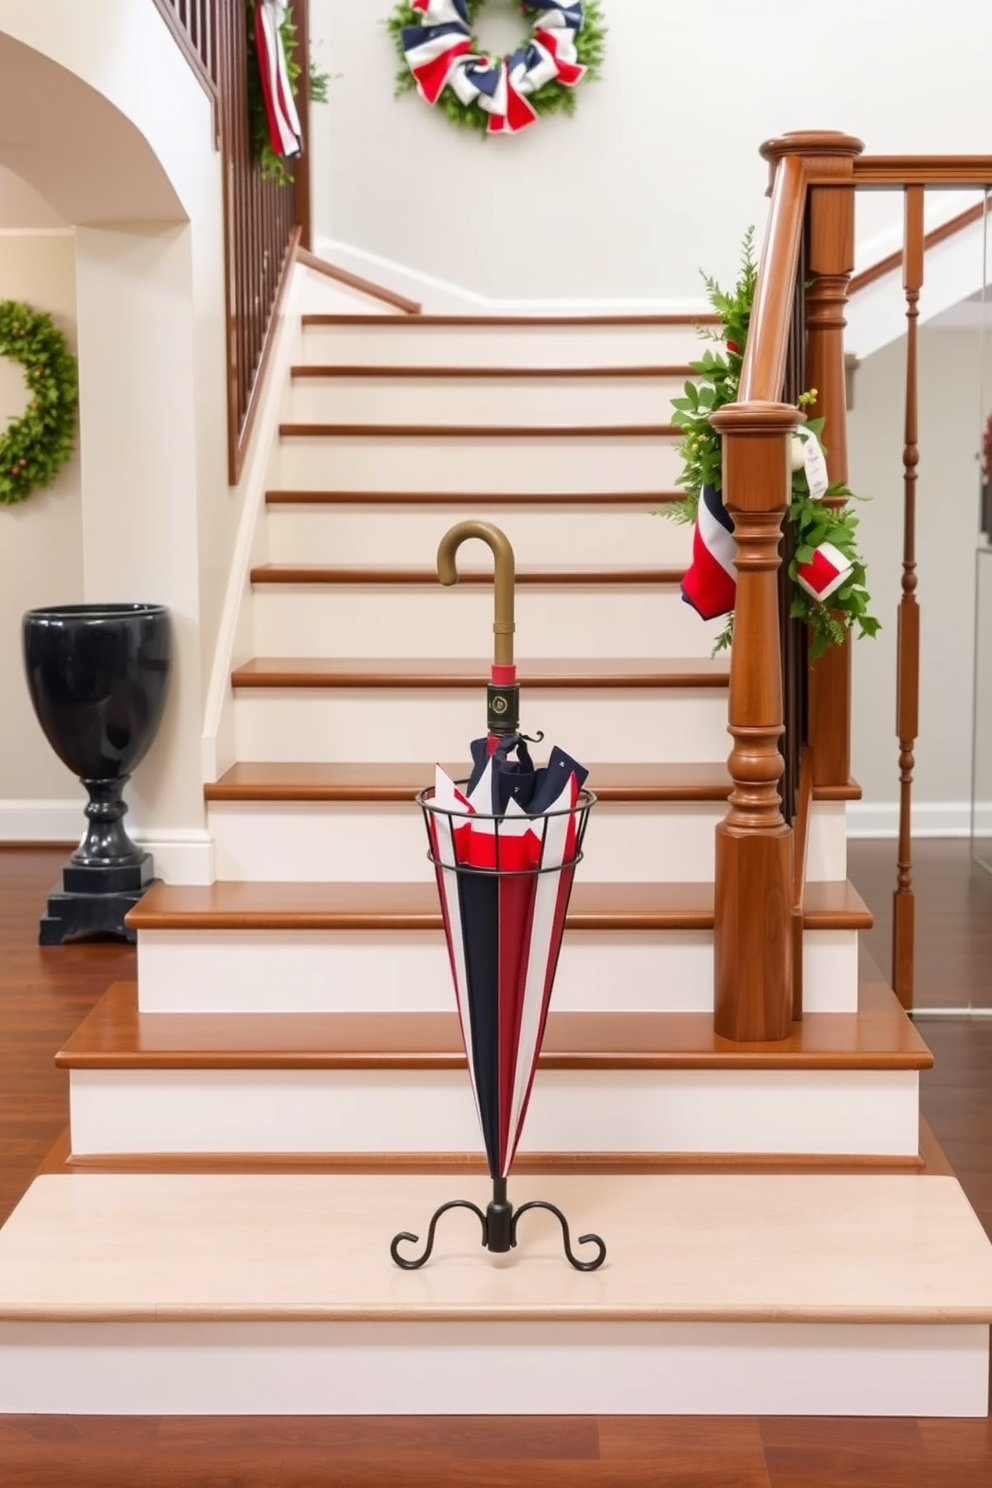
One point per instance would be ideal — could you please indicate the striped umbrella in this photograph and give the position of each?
(505, 845)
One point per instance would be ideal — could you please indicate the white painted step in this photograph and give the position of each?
(484, 400)
(385, 841)
(240, 1294)
(568, 620)
(376, 532)
(851, 1113)
(327, 971)
(634, 725)
(370, 462)
(413, 343)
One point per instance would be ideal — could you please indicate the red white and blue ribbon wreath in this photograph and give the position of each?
(441, 54)
(710, 585)
(285, 132)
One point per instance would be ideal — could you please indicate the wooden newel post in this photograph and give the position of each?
(753, 940)
(829, 158)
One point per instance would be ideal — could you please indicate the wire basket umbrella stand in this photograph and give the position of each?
(504, 845)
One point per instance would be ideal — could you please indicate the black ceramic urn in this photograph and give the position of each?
(98, 676)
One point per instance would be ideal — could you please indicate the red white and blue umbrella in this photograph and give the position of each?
(505, 845)
(505, 849)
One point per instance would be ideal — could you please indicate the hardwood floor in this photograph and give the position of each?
(44, 995)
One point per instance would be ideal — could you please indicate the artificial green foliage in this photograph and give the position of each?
(718, 376)
(813, 522)
(35, 446)
(272, 166)
(553, 98)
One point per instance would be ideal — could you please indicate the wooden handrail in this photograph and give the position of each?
(763, 371)
(822, 173)
(942, 171)
(355, 281)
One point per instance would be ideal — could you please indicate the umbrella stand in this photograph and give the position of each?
(504, 846)
(499, 1230)
(461, 884)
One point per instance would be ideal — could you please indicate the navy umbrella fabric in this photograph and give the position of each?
(505, 849)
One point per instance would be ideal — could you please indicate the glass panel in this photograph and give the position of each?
(981, 793)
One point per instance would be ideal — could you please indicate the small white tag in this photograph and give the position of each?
(815, 463)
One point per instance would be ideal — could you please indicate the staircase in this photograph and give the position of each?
(284, 1088)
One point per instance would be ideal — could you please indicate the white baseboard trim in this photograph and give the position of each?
(182, 856)
(439, 295)
(930, 819)
(42, 821)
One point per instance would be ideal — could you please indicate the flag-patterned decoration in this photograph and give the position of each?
(710, 585)
(504, 876)
(441, 54)
(285, 131)
(825, 572)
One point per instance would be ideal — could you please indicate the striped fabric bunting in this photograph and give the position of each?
(439, 55)
(285, 131)
(710, 586)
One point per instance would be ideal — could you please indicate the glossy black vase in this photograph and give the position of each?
(98, 676)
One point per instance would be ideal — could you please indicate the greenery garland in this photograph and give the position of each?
(554, 97)
(813, 522)
(34, 447)
(273, 167)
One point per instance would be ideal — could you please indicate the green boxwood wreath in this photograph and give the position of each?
(34, 447)
(553, 98)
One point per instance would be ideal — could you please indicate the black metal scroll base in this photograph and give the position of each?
(499, 1230)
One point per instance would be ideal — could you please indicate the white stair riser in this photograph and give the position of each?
(386, 842)
(314, 971)
(530, 465)
(367, 620)
(640, 725)
(501, 346)
(831, 1112)
(479, 400)
(395, 534)
(373, 1369)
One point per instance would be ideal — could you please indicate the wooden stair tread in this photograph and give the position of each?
(230, 905)
(426, 574)
(338, 319)
(570, 499)
(294, 430)
(321, 781)
(116, 1036)
(364, 370)
(570, 672)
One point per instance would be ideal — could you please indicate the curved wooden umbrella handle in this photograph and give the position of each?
(505, 578)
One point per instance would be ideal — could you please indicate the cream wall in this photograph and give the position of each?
(658, 171)
(41, 558)
(158, 518)
(950, 400)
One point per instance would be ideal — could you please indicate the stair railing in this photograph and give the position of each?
(753, 989)
(264, 222)
(809, 241)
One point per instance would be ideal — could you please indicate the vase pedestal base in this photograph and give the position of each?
(94, 900)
